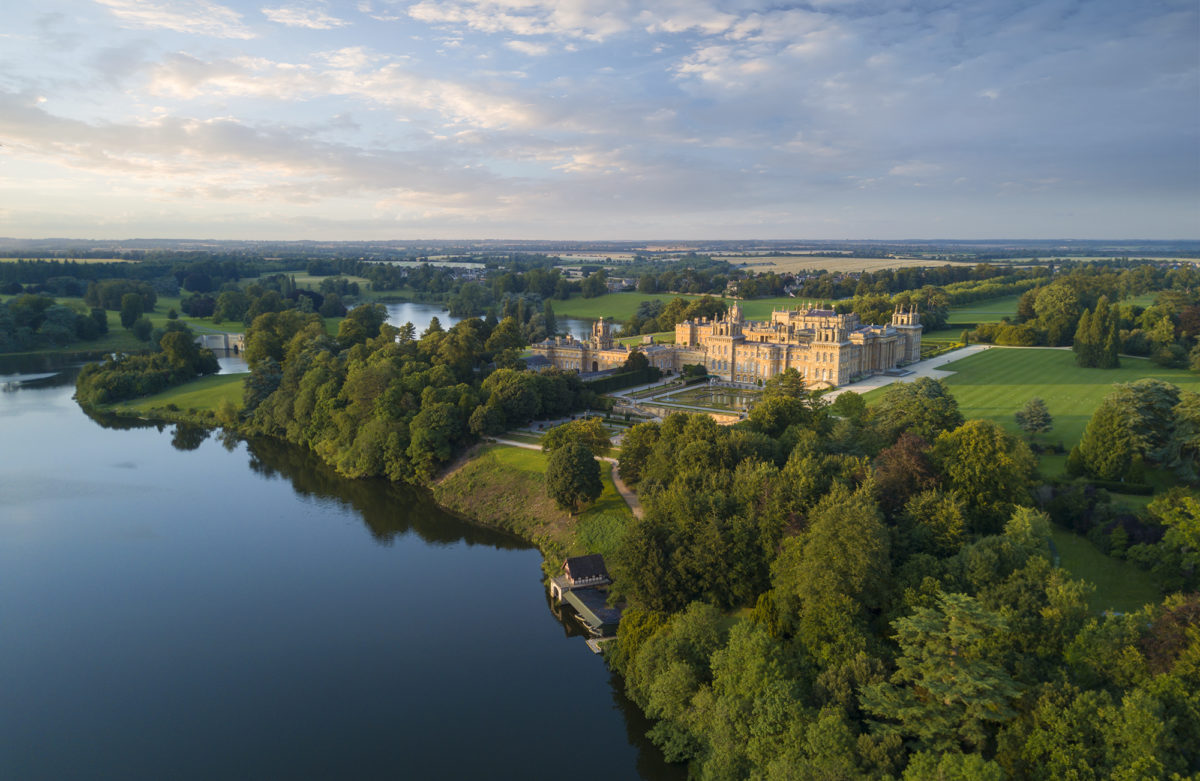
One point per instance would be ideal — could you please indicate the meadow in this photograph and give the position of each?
(203, 394)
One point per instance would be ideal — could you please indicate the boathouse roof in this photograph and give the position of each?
(583, 567)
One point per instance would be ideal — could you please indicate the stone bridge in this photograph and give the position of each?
(233, 342)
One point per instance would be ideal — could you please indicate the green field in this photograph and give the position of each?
(991, 310)
(204, 394)
(615, 306)
(1120, 585)
(997, 382)
(622, 306)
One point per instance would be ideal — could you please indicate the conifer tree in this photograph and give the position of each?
(949, 690)
(1084, 347)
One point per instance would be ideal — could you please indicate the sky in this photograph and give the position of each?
(600, 119)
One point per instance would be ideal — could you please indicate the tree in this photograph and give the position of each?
(924, 407)
(1109, 444)
(1034, 418)
(589, 432)
(949, 690)
(636, 450)
(827, 586)
(989, 468)
(142, 328)
(636, 362)
(573, 476)
(1182, 452)
(131, 309)
(902, 470)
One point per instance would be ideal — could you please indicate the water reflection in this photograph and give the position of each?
(387, 509)
(187, 437)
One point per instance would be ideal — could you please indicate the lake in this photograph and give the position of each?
(420, 315)
(180, 604)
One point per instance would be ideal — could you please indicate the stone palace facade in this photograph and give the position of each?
(827, 349)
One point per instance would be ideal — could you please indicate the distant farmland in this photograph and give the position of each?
(74, 260)
(794, 263)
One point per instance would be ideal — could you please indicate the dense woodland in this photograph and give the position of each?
(907, 620)
(382, 401)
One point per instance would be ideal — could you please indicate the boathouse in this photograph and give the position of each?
(583, 585)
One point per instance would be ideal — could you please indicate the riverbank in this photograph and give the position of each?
(498, 486)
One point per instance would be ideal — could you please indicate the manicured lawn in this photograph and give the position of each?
(995, 383)
(203, 394)
(1120, 586)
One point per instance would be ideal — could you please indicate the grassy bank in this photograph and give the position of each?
(197, 401)
(505, 487)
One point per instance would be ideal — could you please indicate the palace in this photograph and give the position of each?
(827, 349)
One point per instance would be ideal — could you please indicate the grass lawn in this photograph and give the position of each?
(617, 306)
(204, 394)
(1120, 586)
(505, 486)
(990, 310)
(995, 383)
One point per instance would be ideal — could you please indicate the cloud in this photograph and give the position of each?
(594, 20)
(223, 158)
(528, 48)
(352, 72)
(366, 7)
(303, 16)
(914, 168)
(198, 17)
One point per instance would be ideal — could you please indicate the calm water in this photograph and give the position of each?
(420, 314)
(178, 605)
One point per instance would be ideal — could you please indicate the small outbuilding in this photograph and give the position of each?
(589, 570)
(583, 585)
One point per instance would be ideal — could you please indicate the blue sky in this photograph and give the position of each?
(600, 119)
